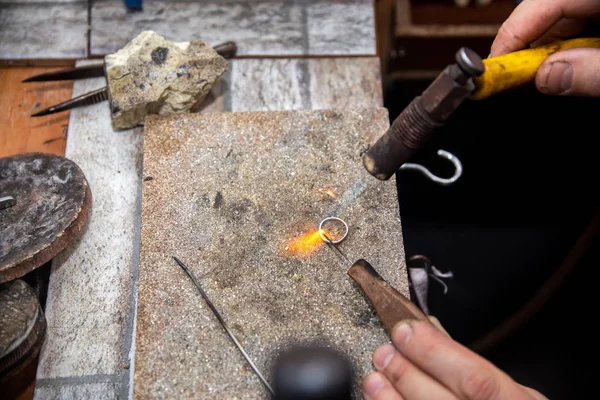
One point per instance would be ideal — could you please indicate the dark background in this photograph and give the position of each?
(528, 191)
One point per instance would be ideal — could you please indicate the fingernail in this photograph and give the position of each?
(383, 355)
(402, 333)
(373, 384)
(559, 78)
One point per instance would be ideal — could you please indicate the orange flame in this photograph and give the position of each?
(305, 244)
(329, 192)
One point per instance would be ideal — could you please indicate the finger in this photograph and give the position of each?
(465, 373)
(534, 393)
(572, 72)
(409, 381)
(376, 387)
(533, 18)
(436, 322)
(564, 28)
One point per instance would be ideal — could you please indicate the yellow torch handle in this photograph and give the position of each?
(520, 67)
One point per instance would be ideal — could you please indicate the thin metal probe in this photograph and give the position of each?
(69, 74)
(87, 99)
(218, 315)
(332, 244)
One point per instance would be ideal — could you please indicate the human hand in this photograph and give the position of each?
(425, 363)
(539, 22)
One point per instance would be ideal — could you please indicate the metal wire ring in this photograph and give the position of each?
(326, 239)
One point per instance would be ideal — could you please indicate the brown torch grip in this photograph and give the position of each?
(391, 305)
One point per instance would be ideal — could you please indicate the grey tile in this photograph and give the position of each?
(238, 197)
(41, 1)
(265, 28)
(345, 83)
(268, 84)
(72, 391)
(43, 30)
(340, 27)
(91, 288)
(305, 84)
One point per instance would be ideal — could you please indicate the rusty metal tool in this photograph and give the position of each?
(391, 305)
(224, 324)
(226, 50)
(45, 201)
(426, 113)
(23, 328)
(469, 77)
(87, 99)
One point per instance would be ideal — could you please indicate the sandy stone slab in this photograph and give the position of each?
(238, 197)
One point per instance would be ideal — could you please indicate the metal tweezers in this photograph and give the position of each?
(226, 50)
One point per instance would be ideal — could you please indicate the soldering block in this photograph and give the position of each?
(239, 197)
(152, 75)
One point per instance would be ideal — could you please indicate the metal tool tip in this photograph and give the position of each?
(41, 113)
(181, 264)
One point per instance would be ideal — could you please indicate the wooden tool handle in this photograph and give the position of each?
(520, 67)
(391, 306)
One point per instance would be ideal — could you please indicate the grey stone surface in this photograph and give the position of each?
(239, 197)
(41, 1)
(264, 27)
(269, 84)
(305, 84)
(340, 27)
(267, 28)
(43, 30)
(91, 288)
(71, 391)
(151, 75)
(345, 83)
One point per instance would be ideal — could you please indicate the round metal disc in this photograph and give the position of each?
(52, 201)
(22, 327)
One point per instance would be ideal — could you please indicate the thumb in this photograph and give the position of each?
(436, 322)
(573, 72)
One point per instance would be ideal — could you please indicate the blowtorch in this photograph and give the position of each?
(469, 77)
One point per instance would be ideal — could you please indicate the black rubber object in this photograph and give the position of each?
(312, 373)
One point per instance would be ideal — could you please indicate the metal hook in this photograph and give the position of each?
(441, 181)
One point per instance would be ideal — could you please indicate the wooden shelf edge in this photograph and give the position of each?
(441, 31)
(416, 74)
(41, 62)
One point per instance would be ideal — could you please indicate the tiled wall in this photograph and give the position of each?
(55, 29)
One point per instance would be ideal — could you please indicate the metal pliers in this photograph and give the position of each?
(226, 50)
